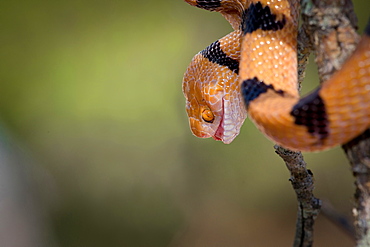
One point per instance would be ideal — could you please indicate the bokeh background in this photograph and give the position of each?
(95, 145)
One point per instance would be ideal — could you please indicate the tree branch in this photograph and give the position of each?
(303, 184)
(332, 26)
(358, 153)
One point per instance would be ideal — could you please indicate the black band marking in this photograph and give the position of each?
(209, 4)
(310, 111)
(215, 54)
(252, 88)
(259, 17)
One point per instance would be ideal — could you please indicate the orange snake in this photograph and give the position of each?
(254, 70)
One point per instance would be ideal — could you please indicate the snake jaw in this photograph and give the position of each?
(232, 118)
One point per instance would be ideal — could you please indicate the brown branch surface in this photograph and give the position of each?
(331, 27)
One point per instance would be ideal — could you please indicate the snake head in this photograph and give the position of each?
(213, 100)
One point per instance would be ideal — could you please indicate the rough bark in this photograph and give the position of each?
(358, 153)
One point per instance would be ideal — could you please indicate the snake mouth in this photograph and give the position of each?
(219, 133)
(218, 136)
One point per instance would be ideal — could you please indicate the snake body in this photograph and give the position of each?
(253, 71)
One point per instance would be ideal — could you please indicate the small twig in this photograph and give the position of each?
(341, 221)
(308, 205)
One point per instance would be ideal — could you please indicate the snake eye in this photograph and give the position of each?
(208, 116)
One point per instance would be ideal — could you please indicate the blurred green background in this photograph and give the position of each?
(91, 97)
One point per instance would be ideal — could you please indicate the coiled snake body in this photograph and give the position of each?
(254, 70)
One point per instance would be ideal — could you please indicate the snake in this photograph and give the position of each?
(252, 72)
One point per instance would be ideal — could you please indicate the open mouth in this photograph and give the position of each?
(219, 134)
